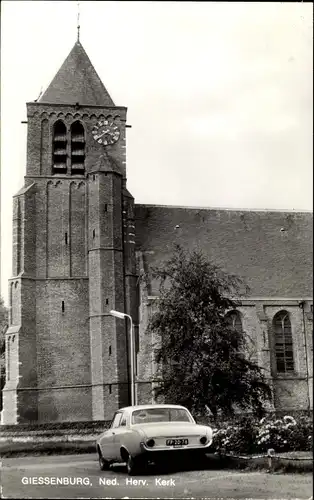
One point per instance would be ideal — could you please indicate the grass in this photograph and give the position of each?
(50, 439)
(282, 464)
(48, 448)
(88, 425)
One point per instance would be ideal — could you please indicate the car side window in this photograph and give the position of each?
(116, 420)
(123, 420)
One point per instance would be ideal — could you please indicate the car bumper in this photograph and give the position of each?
(173, 456)
(161, 454)
(167, 449)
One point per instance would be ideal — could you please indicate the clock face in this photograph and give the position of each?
(106, 132)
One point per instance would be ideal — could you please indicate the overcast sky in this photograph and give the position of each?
(219, 96)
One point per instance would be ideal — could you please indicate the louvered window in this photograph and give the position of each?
(59, 148)
(283, 342)
(77, 149)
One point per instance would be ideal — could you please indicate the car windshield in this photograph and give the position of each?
(149, 415)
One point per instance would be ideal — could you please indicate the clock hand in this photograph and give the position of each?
(99, 136)
(105, 132)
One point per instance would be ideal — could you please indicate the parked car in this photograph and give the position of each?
(152, 433)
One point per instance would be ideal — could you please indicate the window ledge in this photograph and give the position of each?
(289, 376)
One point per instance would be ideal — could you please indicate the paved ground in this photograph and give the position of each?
(17, 474)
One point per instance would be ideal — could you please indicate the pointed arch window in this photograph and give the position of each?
(283, 342)
(234, 320)
(77, 148)
(59, 148)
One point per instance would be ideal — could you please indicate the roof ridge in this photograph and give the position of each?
(190, 207)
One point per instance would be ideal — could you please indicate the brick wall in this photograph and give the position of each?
(58, 263)
(63, 348)
(77, 230)
(65, 404)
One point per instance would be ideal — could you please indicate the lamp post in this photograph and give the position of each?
(121, 315)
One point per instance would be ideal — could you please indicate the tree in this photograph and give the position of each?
(3, 327)
(200, 356)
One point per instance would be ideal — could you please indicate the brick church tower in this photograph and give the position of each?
(73, 256)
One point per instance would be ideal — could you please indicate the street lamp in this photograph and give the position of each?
(121, 315)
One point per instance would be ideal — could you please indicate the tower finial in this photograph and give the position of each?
(78, 21)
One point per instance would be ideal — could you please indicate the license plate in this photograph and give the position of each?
(177, 442)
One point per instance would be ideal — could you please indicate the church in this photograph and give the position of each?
(81, 243)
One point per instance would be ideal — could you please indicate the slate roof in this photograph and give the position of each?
(77, 82)
(271, 250)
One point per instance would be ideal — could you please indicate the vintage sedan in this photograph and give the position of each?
(144, 434)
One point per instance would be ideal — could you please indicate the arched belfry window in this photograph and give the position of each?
(234, 320)
(77, 148)
(283, 342)
(59, 148)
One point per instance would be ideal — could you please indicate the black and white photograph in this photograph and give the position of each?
(156, 292)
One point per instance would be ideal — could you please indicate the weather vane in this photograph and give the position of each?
(78, 21)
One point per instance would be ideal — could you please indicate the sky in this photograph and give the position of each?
(219, 97)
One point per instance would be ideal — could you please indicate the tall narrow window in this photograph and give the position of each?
(8, 358)
(283, 342)
(11, 304)
(77, 149)
(59, 148)
(234, 320)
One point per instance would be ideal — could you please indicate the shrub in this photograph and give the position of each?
(274, 433)
(301, 435)
(237, 438)
(249, 436)
(286, 434)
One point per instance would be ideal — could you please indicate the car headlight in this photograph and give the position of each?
(203, 440)
(150, 443)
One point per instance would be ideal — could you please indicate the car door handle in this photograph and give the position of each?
(113, 433)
